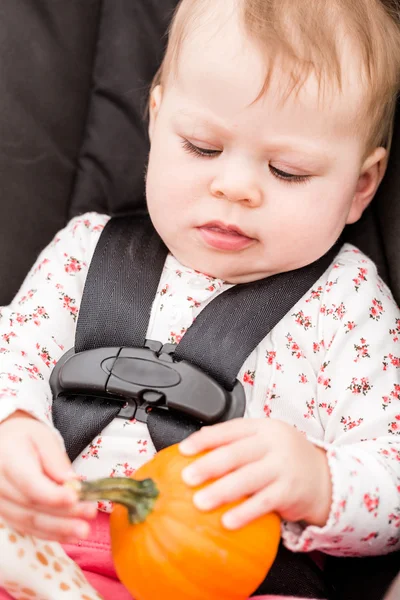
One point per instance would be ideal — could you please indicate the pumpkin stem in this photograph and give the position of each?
(137, 496)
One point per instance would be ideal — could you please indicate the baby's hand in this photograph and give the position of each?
(33, 467)
(267, 461)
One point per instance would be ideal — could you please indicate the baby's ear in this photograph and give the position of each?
(154, 107)
(371, 175)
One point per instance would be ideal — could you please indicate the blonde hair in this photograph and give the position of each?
(305, 33)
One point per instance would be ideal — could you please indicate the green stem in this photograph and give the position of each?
(137, 496)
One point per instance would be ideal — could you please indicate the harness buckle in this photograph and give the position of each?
(143, 378)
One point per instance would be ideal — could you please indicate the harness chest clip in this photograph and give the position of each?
(143, 378)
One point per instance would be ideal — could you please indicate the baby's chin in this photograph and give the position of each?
(224, 266)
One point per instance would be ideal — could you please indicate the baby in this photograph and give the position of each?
(270, 128)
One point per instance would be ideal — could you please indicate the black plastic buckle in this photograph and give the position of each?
(141, 378)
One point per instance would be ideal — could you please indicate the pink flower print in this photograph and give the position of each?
(361, 386)
(28, 296)
(270, 356)
(97, 227)
(178, 273)
(175, 338)
(316, 347)
(143, 444)
(7, 336)
(339, 312)
(69, 304)
(393, 454)
(7, 393)
(392, 360)
(303, 378)
(302, 320)
(306, 544)
(61, 346)
(371, 536)
(394, 518)
(18, 318)
(310, 409)
(394, 426)
(371, 503)
(349, 423)
(294, 347)
(324, 381)
(349, 326)
(329, 408)
(376, 310)
(164, 290)
(339, 509)
(362, 350)
(72, 265)
(324, 366)
(270, 396)
(329, 285)
(249, 377)
(13, 378)
(4, 351)
(34, 372)
(39, 313)
(315, 294)
(94, 448)
(122, 469)
(348, 529)
(194, 303)
(211, 288)
(392, 541)
(39, 267)
(45, 356)
(396, 331)
(361, 277)
(394, 394)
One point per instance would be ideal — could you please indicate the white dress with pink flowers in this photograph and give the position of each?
(331, 368)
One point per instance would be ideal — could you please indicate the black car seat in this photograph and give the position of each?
(74, 83)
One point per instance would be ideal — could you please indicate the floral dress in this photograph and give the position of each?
(331, 368)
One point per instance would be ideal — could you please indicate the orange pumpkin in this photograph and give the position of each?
(165, 548)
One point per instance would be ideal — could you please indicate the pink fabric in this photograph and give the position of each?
(94, 558)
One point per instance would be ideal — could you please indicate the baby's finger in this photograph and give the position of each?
(33, 522)
(217, 435)
(262, 503)
(236, 485)
(223, 460)
(36, 488)
(10, 492)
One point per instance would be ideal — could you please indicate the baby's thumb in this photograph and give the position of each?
(55, 462)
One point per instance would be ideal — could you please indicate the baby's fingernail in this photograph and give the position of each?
(90, 511)
(229, 521)
(203, 501)
(186, 447)
(82, 530)
(190, 476)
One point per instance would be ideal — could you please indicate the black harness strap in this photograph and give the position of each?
(121, 285)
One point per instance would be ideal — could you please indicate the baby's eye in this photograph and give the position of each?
(204, 152)
(289, 177)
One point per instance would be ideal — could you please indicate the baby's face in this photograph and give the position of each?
(240, 189)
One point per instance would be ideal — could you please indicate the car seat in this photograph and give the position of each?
(75, 78)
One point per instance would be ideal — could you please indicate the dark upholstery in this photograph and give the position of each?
(74, 82)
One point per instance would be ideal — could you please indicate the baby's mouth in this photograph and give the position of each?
(224, 237)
